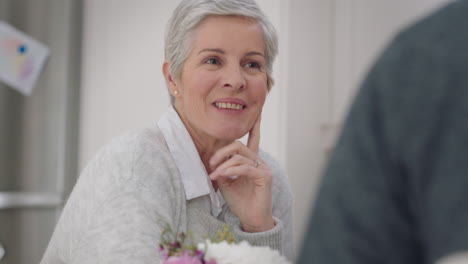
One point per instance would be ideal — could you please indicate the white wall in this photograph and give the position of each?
(122, 84)
(326, 47)
(307, 100)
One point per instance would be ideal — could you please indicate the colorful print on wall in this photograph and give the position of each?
(21, 59)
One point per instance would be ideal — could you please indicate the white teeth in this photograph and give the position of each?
(229, 106)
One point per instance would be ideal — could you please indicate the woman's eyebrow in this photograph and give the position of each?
(212, 50)
(254, 53)
(223, 52)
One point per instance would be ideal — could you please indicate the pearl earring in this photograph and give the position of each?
(176, 92)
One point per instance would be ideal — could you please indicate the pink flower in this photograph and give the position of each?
(183, 259)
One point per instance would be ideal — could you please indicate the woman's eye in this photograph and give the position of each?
(212, 61)
(253, 65)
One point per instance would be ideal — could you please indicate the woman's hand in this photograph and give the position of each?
(245, 182)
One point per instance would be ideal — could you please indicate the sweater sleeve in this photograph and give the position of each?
(279, 238)
(114, 215)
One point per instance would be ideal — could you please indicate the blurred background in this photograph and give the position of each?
(103, 78)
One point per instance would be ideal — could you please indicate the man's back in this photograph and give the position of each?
(395, 190)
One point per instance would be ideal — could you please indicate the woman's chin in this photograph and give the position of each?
(230, 135)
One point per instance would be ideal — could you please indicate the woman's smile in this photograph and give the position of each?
(230, 106)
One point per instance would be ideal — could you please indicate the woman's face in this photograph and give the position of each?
(223, 83)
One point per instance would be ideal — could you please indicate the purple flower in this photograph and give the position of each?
(183, 259)
(198, 253)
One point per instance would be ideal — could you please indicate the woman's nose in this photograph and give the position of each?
(234, 78)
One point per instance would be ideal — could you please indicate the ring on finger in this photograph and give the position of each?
(257, 163)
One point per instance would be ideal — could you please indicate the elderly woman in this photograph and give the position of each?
(190, 171)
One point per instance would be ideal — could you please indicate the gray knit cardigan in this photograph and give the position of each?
(131, 190)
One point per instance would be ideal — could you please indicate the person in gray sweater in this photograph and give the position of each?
(189, 171)
(395, 188)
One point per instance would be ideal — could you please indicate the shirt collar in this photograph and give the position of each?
(192, 171)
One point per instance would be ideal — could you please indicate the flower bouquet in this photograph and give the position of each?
(221, 249)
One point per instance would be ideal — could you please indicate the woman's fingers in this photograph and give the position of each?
(237, 147)
(226, 153)
(253, 142)
(245, 170)
(236, 160)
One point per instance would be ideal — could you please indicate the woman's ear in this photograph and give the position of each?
(171, 84)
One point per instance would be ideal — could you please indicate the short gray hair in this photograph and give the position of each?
(189, 13)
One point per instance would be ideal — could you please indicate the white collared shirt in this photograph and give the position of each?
(192, 171)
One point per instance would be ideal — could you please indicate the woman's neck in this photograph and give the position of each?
(205, 144)
(207, 148)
